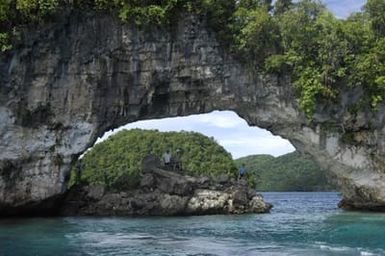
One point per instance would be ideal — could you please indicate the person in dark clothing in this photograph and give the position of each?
(177, 160)
(242, 172)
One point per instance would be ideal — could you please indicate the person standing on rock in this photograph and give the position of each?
(167, 158)
(177, 164)
(242, 172)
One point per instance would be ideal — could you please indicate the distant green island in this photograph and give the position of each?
(290, 172)
(116, 162)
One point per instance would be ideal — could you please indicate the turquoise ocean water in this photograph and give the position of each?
(300, 224)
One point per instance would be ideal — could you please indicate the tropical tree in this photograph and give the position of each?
(376, 10)
(282, 6)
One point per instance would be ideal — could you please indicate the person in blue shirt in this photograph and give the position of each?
(242, 172)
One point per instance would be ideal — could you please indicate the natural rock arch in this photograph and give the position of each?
(66, 85)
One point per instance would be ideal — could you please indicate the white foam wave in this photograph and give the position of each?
(335, 249)
(344, 250)
(363, 253)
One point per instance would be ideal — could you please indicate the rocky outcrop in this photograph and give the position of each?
(165, 193)
(85, 73)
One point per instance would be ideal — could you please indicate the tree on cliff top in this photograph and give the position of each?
(281, 6)
(323, 55)
(122, 154)
(376, 10)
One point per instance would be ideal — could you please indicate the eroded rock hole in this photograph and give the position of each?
(126, 171)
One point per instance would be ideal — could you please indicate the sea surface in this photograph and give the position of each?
(299, 224)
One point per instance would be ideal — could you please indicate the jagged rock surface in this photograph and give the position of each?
(168, 193)
(85, 73)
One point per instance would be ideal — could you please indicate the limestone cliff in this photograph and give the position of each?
(164, 193)
(69, 82)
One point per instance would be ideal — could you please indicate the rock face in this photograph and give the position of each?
(166, 193)
(65, 85)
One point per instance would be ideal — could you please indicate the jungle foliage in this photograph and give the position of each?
(120, 156)
(290, 172)
(323, 54)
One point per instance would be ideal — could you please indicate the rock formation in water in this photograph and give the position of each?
(163, 193)
(66, 84)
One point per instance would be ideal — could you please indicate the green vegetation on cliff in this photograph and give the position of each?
(290, 172)
(118, 159)
(323, 54)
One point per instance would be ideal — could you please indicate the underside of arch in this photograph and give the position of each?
(64, 86)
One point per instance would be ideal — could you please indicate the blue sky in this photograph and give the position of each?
(228, 128)
(342, 8)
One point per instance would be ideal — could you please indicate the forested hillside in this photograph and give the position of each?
(120, 156)
(290, 172)
(117, 161)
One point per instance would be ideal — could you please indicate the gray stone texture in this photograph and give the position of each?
(67, 83)
(154, 199)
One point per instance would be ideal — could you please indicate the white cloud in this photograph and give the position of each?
(253, 143)
(224, 119)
